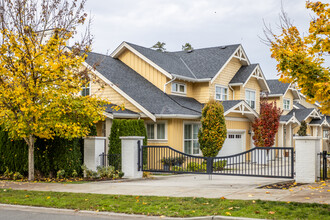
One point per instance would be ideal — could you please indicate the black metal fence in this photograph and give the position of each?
(324, 165)
(110, 160)
(260, 162)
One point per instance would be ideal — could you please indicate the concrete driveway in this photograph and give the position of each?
(230, 187)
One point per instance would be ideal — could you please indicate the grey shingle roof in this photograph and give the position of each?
(198, 64)
(320, 121)
(230, 103)
(301, 114)
(135, 86)
(277, 87)
(110, 109)
(285, 117)
(243, 74)
(300, 106)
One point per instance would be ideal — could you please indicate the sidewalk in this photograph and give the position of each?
(230, 187)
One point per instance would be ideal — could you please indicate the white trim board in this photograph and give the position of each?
(121, 92)
(123, 45)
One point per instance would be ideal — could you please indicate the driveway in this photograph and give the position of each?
(230, 187)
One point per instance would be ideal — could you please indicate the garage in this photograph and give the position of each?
(233, 144)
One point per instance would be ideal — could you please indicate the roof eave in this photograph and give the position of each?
(191, 79)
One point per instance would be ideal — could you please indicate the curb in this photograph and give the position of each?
(112, 214)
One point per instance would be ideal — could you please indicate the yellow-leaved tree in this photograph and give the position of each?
(301, 58)
(40, 78)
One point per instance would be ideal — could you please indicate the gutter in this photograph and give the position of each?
(191, 79)
(174, 78)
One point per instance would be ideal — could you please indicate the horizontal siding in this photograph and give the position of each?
(225, 77)
(253, 84)
(144, 69)
(103, 90)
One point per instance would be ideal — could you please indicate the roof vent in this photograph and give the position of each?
(223, 47)
(189, 51)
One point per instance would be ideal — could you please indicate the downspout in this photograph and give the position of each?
(231, 88)
(174, 78)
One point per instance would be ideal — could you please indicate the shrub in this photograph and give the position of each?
(50, 155)
(60, 174)
(173, 161)
(120, 128)
(266, 126)
(213, 132)
(193, 166)
(303, 129)
(219, 165)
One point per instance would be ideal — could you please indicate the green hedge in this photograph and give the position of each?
(49, 155)
(121, 127)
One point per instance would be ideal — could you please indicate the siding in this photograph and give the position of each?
(144, 69)
(189, 88)
(241, 125)
(201, 92)
(224, 77)
(289, 96)
(103, 90)
(253, 84)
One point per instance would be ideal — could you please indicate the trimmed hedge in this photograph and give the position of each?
(49, 155)
(121, 127)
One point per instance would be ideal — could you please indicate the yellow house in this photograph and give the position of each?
(168, 90)
(295, 110)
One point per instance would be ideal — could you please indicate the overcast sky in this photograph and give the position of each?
(203, 23)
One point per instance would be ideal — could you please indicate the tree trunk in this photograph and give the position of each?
(30, 143)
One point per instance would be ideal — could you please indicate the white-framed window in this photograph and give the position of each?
(157, 131)
(250, 98)
(179, 88)
(221, 93)
(86, 90)
(325, 134)
(190, 138)
(286, 104)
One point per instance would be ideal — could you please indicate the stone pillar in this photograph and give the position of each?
(307, 165)
(129, 156)
(93, 147)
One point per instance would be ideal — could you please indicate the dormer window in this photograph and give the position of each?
(221, 93)
(286, 104)
(179, 88)
(86, 90)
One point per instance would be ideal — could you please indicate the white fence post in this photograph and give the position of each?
(307, 161)
(93, 147)
(129, 156)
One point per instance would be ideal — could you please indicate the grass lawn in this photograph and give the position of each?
(167, 206)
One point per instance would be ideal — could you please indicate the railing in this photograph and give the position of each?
(259, 162)
(111, 160)
(324, 156)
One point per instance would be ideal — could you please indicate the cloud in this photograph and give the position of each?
(203, 23)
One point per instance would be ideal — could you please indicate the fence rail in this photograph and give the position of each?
(260, 162)
(324, 165)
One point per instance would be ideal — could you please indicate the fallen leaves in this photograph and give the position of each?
(228, 213)
(27, 196)
(271, 212)
(267, 192)
(222, 197)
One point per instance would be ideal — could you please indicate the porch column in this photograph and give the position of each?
(290, 135)
(280, 136)
(307, 165)
(108, 125)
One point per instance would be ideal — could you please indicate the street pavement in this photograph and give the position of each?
(230, 187)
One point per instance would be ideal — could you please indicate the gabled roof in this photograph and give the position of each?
(199, 64)
(278, 88)
(304, 114)
(286, 119)
(136, 87)
(243, 74)
(325, 120)
(246, 72)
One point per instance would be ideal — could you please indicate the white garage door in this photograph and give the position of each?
(233, 144)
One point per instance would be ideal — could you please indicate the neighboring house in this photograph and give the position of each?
(168, 90)
(295, 110)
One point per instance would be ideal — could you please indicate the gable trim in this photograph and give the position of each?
(259, 76)
(293, 89)
(243, 106)
(240, 48)
(123, 45)
(121, 92)
(313, 114)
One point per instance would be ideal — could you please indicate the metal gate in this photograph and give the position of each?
(275, 162)
(324, 169)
